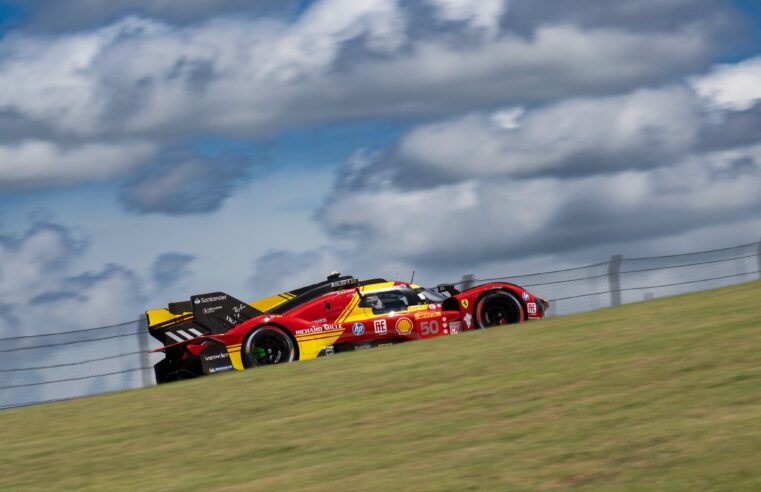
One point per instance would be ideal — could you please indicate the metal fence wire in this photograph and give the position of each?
(65, 365)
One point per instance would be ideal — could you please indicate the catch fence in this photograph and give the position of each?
(55, 366)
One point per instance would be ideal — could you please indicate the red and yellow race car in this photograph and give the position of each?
(215, 332)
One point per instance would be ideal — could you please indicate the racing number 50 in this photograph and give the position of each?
(430, 327)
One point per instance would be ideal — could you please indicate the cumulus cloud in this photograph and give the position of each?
(33, 163)
(51, 14)
(183, 184)
(27, 260)
(571, 175)
(480, 14)
(484, 220)
(170, 268)
(736, 87)
(94, 103)
(40, 284)
(112, 294)
(253, 77)
(37, 286)
(580, 136)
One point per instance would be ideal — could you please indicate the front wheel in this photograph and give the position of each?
(498, 308)
(268, 345)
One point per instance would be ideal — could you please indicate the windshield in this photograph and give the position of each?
(429, 296)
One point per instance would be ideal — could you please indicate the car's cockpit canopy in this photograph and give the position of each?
(399, 299)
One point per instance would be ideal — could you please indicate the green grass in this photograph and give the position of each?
(663, 395)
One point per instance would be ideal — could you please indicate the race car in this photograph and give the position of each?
(216, 332)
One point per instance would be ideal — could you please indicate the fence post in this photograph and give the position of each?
(468, 281)
(145, 356)
(614, 279)
(759, 258)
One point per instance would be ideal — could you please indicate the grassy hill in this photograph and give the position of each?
(662, 395)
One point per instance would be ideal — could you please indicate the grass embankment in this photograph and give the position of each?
(662, 395)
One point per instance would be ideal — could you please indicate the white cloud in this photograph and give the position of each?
(155, 84)
(508, 119)
(257, 76)
(735, 87)
(39, 284)
(25, 262)
(579, 136)
(481, 14)
(477, 221)
(35, 162)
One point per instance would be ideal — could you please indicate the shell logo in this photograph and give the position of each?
(404, 326)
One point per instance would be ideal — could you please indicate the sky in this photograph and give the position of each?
(154, 150)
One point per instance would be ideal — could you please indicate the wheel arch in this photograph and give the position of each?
(297, 351)
(507, 291)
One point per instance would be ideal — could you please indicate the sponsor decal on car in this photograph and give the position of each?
(358, 329)
(531, 307)
(213, 370)
(525, 296)
(222, 355)
(211, 309)
(425, 314)
(404, 326)
(343, 283)
(468, 320)
(307, 331)
(200, 300)
(465, 303)
(455, 327)
(379, 326)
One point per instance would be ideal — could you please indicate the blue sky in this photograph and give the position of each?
(259, 148)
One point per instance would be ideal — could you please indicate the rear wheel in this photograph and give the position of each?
(268, 345)
(498, 308)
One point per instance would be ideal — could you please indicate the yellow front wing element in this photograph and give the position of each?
(235, 360)
(157, 316)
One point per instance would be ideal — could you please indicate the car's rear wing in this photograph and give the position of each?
(206, 314)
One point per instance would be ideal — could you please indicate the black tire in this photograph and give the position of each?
(498, 308)
(268, 345)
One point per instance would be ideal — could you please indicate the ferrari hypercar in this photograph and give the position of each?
(216, 332)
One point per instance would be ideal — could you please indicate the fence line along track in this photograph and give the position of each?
(656, 286)
(79, 378)
(68, 364)
(117, 325)
(614, 273)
